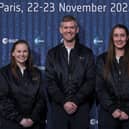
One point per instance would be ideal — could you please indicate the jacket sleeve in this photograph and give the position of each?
(39, 109)
(53, 90)
(7, 105)
(102, 92)
(88, 85)
(125, 107)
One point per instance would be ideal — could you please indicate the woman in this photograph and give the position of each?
(112, 81)
(22, 103)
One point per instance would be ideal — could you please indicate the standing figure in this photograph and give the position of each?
(70, 74)
(112, 81)
(22, 101)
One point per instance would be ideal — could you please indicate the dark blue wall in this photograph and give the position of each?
(38, 20)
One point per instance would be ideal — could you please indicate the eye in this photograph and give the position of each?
(65, 27)
(25, 51)
(19, 51)
(123, 35)
(115, 35)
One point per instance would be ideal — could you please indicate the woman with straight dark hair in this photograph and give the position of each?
(22, 101)
(112, 81)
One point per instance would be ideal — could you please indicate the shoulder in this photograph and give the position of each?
(36, 69)
(101, 59)
(55, 49)
(84, 48)
(102, 56)
(54, 52)
(85, 51)
(5, 69)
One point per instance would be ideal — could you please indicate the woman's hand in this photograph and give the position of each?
(116, 113)
(123, 116)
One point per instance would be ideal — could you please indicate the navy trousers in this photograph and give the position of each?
(106, 121)
(78, 120)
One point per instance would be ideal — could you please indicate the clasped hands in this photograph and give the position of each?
(70, 107)
(26, 122)
(121, 115)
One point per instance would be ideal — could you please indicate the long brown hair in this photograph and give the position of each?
(28, 63)
(111, 52)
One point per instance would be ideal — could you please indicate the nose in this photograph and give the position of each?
(119, 37)
(69, 29)
(22, 53)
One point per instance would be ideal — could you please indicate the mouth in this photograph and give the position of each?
(22, 58)
(120, 42)
(69, 34)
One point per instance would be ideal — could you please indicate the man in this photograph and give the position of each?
(70, 77)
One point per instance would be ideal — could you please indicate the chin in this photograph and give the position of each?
(120, 48)
(70, 40)
(21, 62)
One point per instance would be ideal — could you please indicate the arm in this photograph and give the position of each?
(7, 105)
(39, 109)
(102, 92)
(38, 113)
(56, 95)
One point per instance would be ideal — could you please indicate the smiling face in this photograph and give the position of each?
(69, 29)
(119, 38)
(20, 54)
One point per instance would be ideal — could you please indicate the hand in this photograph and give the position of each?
(116, 113)
(26, 122)
(70, 107)
(123, 116)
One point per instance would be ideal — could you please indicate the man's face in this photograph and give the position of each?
(69, 30)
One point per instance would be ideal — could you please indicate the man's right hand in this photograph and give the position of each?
(70, 107)
(26, 122)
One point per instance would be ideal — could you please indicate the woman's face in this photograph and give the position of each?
(119, 38)
(20, 53)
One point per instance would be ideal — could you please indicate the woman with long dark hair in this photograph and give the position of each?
(112, 81)
(22, 101)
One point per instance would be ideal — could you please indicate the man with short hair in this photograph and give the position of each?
(70, 73)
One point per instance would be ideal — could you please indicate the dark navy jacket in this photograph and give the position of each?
(20, 98)
(113, 93)
(73, 81)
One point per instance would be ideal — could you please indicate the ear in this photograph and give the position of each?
(60, 29)
(13, 54)
(77, 30)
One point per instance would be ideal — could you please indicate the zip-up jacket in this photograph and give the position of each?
(70, 81)
(21, 98)
(113, 93)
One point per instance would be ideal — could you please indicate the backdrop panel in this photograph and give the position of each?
(37, 21)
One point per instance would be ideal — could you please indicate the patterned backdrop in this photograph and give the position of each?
(37, 21)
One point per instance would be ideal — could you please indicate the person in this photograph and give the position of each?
(22, 102)
(112, 81)
(70, 76)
